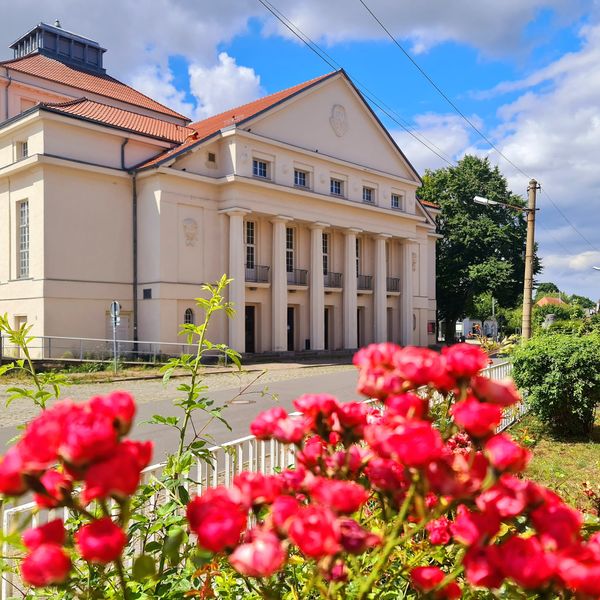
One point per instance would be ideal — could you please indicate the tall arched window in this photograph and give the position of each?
(188, 316)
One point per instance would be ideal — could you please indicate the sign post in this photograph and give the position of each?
(115, 312)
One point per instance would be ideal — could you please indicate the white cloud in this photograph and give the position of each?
(223, 85)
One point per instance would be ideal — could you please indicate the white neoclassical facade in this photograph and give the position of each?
(302, 197)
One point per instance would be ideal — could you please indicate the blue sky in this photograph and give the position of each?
(525, 71)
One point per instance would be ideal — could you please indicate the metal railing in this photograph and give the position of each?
(226, 461)
(297, 277)
(364, 282)
(257, 274)
(332, 280)
(392, 284)
(45, 347)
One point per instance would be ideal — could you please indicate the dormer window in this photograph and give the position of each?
(260, 168)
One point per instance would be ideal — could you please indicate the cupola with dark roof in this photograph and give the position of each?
(60, 44)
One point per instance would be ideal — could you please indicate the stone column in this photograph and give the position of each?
(380, 292)
(317, 288)
(406, 313)
(279, 293)
(237, 272)
(350, 289)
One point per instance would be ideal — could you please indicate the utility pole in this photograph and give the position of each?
(528, 284)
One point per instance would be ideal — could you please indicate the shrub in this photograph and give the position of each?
(561, 376)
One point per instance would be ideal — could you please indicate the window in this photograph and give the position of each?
(300, 178)
(336, 187)
(22, 150)
(147, 294)
(188, 316)
(397, 201)
(23, 208)
(250, 244)
(368, 194)
(325, 253)
(289, 249)
(212, 157)
(260, 168)
(358, 255)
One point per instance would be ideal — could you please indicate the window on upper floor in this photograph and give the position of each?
(22, 150)
(397, 201)
(289, 249)
(368, 195)
(336, 187)
(250, 244)
(260, 168)
(23, 239)
(301, 178)
(325, 253)
(188, 317)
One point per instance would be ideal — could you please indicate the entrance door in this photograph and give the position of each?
(251, 329)
(360, 312)
(291, 314)
(326, 326)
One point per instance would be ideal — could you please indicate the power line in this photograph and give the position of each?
(333, 64)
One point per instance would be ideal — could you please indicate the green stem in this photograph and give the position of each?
(121, 573)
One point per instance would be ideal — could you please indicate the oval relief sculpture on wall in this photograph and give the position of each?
(338, 120)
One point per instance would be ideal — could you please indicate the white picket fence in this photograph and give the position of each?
(227, 460)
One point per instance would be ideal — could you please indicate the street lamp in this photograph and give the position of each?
(596, 268)
(528, 279)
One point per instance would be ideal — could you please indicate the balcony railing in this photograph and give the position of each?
(364, 282)
(332, 280)
(257, 274)
(393, 284)
(297, 277)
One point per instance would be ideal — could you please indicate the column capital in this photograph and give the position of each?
(235, 211)
(319, 225)
(383, 236)
(353, 230)
(281, 219)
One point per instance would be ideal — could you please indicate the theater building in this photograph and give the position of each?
(302, 197)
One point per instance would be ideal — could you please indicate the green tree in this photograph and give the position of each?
(582, 301)
(482, 248)
(545, 289)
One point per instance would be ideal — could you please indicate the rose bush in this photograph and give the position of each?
(384, 501)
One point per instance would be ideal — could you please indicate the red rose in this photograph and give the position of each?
(218, 517)
(482, 567)
(472, 528)
(87, 436)
(100, 541)
(439, 531)
(58, 486)
(379, 382)
(355, 539)
(426, 579)
(457, 474)
(291, 430)
(48, 564)
(579, 569)
(414, 443)
(558, 525)
(350, 460)
(376, 355)
(119, 406)
(419, 366)
(118, 475)
(464, 360)
(479, 419)
(264, 425)
(315, 531)
(353, 416)
(11, 474)
(282, 510)
(260, 557)
(52, 532)
(502, 393)
(293, 479)
(508, 497)
(386, 475)
(257, 488)
(505, 454)
(336, 572)
(312, 453)
(406, 406)
(526, 563)
(317, 405)
(344, 497)
(39, 445)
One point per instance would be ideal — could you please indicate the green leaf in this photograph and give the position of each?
(143, 567)
(173, 543)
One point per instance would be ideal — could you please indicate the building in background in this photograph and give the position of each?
(302, 197)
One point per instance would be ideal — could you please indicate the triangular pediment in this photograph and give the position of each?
(333, 119)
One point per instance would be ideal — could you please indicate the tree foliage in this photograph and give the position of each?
(546, 288)
(482, 248)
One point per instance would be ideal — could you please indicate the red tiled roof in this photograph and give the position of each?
(546, 300)
(207, 127)
(123, 119)
(429, 204)
(45, 67)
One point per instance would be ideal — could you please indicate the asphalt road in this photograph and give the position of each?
(238, 413)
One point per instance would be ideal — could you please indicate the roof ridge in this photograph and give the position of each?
(298, 85)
